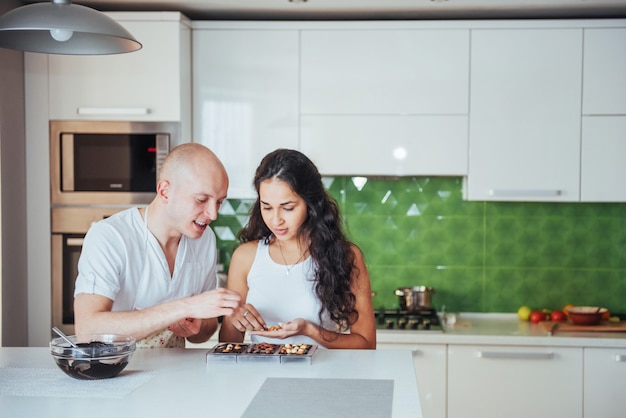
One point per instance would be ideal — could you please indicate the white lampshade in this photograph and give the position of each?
(61, 27)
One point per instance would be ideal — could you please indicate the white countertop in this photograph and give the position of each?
(182, 381)
(501, 329)
(490, 329)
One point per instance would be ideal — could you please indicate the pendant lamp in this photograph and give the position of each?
(60, 27)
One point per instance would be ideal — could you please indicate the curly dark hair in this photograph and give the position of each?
(332, 253)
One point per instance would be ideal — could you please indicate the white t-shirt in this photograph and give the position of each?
(281, 297)
(124, 262)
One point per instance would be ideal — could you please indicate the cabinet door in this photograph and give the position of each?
(604, 84)
(525, 115)
(499, 381)
(430, 369)
(605, 377)
(385, 71)
(245, 98)
(603, 149)
(386, 145)
(145, 85)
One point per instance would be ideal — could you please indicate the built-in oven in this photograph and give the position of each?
(97, 168)
(69, 226)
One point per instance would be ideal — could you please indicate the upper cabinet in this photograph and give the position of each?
(604, 116)
(245, 99)
(603, 152)
(152, 84)
(604, 82)
(385, 101)
(396, 145)
(384, 71)
(525, 114)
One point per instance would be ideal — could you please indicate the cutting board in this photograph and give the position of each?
(570, 327)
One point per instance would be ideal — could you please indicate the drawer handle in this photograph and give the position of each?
(515, 356)
(113, 111)
(620, 357)
(546, 193)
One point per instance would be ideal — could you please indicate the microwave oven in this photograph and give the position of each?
(107, 162)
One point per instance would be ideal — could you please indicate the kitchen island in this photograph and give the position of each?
(168, 382)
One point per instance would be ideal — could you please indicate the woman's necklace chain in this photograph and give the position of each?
(287, 266)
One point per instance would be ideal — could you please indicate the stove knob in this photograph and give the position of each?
(389, 324)
(413, 324)
(402, 323)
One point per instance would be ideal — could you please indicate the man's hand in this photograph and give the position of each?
(186, 327)
(214, 303)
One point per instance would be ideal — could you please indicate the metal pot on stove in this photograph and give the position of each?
(414, 298)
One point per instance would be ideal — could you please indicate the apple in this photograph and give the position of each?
(537, 316)
(558, 316)
(524, 313)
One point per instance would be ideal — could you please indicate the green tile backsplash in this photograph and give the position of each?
(478, 256)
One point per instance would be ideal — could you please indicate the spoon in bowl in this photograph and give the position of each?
(62, 335)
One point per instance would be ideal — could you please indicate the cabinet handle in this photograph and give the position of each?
(620, 357)
(514, 356)
(505, 192)
(113, 111)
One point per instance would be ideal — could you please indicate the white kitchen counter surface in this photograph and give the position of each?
(180, 382)
(490, 328)
(501, 329)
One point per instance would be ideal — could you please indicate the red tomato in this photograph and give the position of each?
(557, 316)
(537, 316)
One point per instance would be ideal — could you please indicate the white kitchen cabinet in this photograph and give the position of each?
(245, 99)
(397, 145)
(152, 84)
(525, 116)
(605, 377)
(602, 164)
(385, 71)
(513, 381)
(604, 82)
(430, 370)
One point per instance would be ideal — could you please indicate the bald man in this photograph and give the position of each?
(151, 272)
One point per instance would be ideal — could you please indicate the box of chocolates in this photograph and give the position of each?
(261, 352)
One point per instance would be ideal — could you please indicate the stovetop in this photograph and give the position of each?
(422, 320)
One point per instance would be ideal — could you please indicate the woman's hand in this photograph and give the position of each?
(247, 318)
(287, 329)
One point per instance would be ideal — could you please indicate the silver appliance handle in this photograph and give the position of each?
(74, 242)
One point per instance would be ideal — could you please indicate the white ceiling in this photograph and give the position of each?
(369, 9)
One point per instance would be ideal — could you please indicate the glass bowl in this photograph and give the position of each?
(98, 356)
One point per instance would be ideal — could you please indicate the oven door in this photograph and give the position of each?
(66, 250)
(69, 227)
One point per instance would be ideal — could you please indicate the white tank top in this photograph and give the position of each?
(281, 296)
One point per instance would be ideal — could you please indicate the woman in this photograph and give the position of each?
(301, 279)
